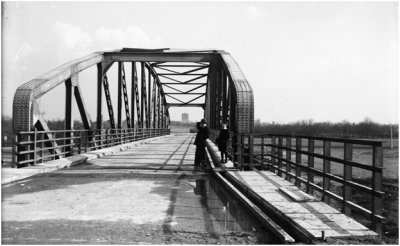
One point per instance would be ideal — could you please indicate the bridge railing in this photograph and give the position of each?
(345, 173)
(32, 147)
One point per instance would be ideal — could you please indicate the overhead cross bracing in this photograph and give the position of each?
(184, 84)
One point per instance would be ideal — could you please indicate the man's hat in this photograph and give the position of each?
(203, 121)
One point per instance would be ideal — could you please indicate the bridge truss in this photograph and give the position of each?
(160, 79)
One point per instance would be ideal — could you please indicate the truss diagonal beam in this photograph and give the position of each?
(183, 82)
(108, 100)
(175, 98)
(125, 95)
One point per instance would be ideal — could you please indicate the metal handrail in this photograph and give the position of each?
(32, 147)
(266, 152)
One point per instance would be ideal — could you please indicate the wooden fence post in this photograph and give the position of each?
(14, 151)
(289, 158)
(280, 145)
(348, 176)
(326, 169)
(298, 161)
(377, 161)
(310, 164)
(262, 152)
(34, 146)
(239, 151)
(251, 149)
(273, 141)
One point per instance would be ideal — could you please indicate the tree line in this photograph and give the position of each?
(365, 129)
(345, 129)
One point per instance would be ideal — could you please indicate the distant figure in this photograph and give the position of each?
(222, 142)
(200, 142)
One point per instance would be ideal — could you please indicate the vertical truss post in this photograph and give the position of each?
(232, 107)
(99, 94)
(229, 107)
(138, 106)
(133, 74)
(149, 101)
(153, 101)
(119, 121)
(207, 99)
(68, 114)
(212, 94)
(163, 116)
(216, 98)
(143, 105)
(224, 98)
(219, 97)
(159, 108)
(68, 104)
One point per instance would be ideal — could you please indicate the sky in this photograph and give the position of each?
(325, 61)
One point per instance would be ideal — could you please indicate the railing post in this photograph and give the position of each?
(251, 146)
(280, 153)
(262, 152)
(86, 140)
(42, 147)
(273, 141)
(80, 142)
(326, 170)
(29, 148)
(310, 164)
(377, 161)
(54, 148)
(34, 146)
(348, 176)
(14, 151)
(298, 161)
(289, 158)
(239, 151)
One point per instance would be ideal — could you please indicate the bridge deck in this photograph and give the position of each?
(301, 210)
(173, 153)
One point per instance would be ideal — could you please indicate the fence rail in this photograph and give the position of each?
(324, 167)
(32, 147)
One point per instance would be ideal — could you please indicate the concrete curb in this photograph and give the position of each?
(9, 175)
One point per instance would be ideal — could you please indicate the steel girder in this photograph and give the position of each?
(225, 94)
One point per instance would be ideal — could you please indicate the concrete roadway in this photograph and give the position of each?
(150, 194)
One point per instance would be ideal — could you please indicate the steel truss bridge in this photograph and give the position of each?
(209, 79)
(164, 78)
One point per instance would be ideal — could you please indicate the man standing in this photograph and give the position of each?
(200, 142)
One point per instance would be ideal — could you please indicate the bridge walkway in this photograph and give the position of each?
(304, 215)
